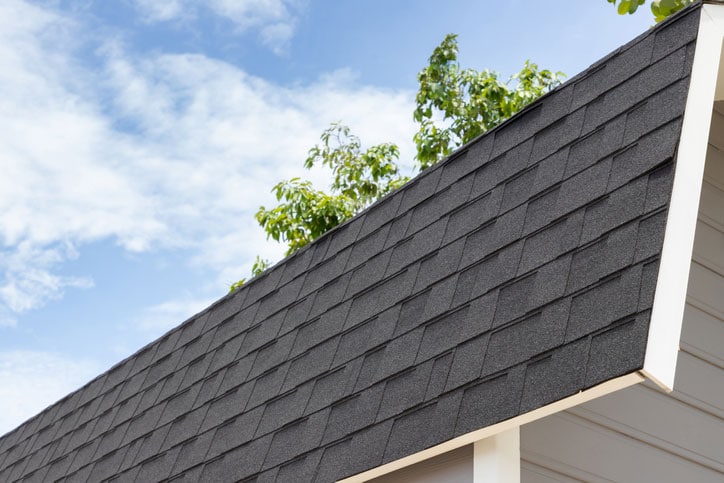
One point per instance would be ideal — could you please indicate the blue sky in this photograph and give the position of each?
(138, 137)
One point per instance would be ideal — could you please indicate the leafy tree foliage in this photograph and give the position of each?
(358, 179)
(455, 105)
(361, 177)
(660, 8)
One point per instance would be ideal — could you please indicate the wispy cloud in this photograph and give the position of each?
(29, 281)
(274, 20)
(152, 151)
(157, 319)
(32, 380)
(277, 36)
(162, 10)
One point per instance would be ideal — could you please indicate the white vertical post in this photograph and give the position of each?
(497, 459)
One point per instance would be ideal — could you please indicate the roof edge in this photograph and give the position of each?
(670, 298)
(607, 387)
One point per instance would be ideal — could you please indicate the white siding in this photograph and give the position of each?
(640, 433)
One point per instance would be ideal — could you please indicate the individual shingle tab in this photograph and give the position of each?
(193, 452)
(233, 326)
(353, 413)
(473, 214)
(295, 439)
(512, 132)
(674, 34)
(158, 468)
(416, 246)
(465, 160)
(267, 386)
(398, 229)
(381, 212)
(602, 358)
(302, 469)
(239, 430)
(327, 388)
(525, 338)
(485, 403)
(226, 406)
(446, 332)
(467, 362)
(420, 189)
(183, 428)
(557, 135)
(310, 364)
(417, 430)
(345, 235)
(612, 72)
(551, 242)
(517, 272)
(404, 390)
(554, 375)
(368, 247)
(399, 354)
(363, 337)
(238, 463)
(226, 353)
(439, 265)
(612, 298)
(438, 376)
(492, 236)
(143, 423)
(501, 168)
(434, 207)
(381, 296)
(330, 295)
(653, 112)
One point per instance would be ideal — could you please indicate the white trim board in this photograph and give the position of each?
(597, 391)
(668, 309)
(497, 458)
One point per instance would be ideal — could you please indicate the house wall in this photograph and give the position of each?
(642, 433)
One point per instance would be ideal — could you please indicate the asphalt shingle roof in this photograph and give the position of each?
(517, 272)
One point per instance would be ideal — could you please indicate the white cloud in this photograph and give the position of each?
(247, 13)
(161, 10)
(277, 36)
(274, 19)
(154, 152)
(32, 380)
(160, 318)
(28, 281)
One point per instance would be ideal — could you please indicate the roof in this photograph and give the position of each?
(519, 271)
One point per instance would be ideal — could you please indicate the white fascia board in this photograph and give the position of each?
(600, 390)
(668, 308)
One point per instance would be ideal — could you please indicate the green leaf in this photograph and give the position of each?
(664, 8)
(468, 101)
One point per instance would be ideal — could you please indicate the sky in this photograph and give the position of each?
(139, 137)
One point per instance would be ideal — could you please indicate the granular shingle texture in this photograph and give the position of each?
(515, 273)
